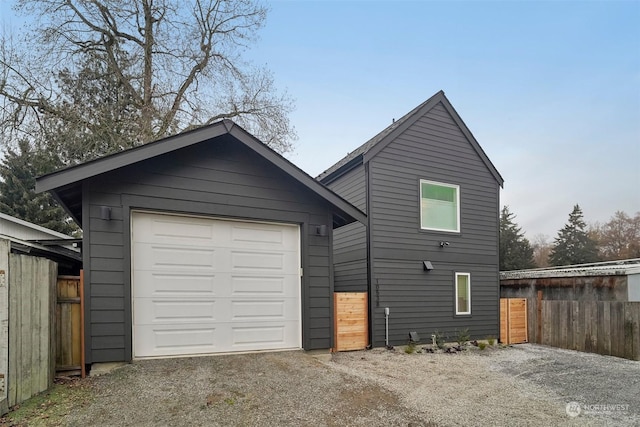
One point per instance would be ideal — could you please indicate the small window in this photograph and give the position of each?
(439, 206)
(463, 293)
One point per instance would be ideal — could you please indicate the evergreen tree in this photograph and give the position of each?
(18, 171)
(573, 244)
(515, 250)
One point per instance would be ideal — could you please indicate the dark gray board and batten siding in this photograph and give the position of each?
(224, 179)
(435, 148)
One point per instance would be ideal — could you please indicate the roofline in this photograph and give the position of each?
(34, 226)
(134, 155)
(406, 121)
(297, 173)
(606, 268)
(342, 170)
(124, 158)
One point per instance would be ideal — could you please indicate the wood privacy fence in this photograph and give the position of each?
(603, 327)
(27, 336)
(351, 321)
(69, 325)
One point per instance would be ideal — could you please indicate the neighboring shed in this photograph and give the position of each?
(204, 242)
(32, 239)
(603, 281)
(589, 307)
(429, 252)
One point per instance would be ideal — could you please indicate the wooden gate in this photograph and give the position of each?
(350, 321)
(513, 320)
(69, 326)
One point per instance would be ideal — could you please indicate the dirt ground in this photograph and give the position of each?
(521, 385)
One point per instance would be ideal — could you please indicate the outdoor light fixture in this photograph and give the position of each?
(321, 230)
(443, 244)
(105, 213)
(427, 265)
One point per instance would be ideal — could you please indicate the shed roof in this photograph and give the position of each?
(608, 268)
(382, 139)
(66, 187)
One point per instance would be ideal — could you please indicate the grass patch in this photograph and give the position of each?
(49, 408)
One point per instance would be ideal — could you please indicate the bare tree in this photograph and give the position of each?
(618, 238)
(541, 250)
(177, 63)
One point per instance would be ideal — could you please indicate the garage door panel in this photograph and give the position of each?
(174, 285)
(276, 309)
(258, 285)
(174, 340)
(154, 256)
(178, 311)
(269, 262)
(264, 335)
(235, 287)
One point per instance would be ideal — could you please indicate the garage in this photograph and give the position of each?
(204, 285)
(204, 242)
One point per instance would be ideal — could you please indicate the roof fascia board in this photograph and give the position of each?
(297, 173)
(128, 157)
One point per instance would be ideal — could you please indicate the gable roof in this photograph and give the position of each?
(66, 184)
(373, 146)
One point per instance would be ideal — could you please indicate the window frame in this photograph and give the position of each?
(468, 276)
(441, 184)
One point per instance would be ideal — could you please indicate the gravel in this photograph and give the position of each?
(525, 385)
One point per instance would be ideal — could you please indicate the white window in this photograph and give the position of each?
(439, 206)
(463, 293)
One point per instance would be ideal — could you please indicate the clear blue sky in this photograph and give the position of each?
(550, 89)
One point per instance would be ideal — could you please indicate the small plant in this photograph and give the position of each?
(438, 339)
(410, 348)
(462, 337)
(482, 345)
(491, 340)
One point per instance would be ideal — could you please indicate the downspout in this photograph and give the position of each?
(369, 260)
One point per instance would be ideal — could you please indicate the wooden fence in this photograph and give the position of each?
(27, 336)
(69, 322)
(513, 321)
(351, 321)
(603, 327)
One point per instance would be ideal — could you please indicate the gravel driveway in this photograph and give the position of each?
(520, 385)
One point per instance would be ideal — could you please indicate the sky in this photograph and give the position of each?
(550, 89)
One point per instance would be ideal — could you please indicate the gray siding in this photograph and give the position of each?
(432, 148)
(349, 241)
(217, 178)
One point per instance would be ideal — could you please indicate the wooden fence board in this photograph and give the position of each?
(31, 351)
(69, 328)
(4, 325)
(603, 327)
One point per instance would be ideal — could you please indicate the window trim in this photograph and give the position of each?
(468, 275)
(442, 184)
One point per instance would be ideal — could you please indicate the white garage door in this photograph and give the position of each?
(205, 285)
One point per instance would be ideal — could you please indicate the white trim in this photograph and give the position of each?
(442, 184)
(468, 275)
